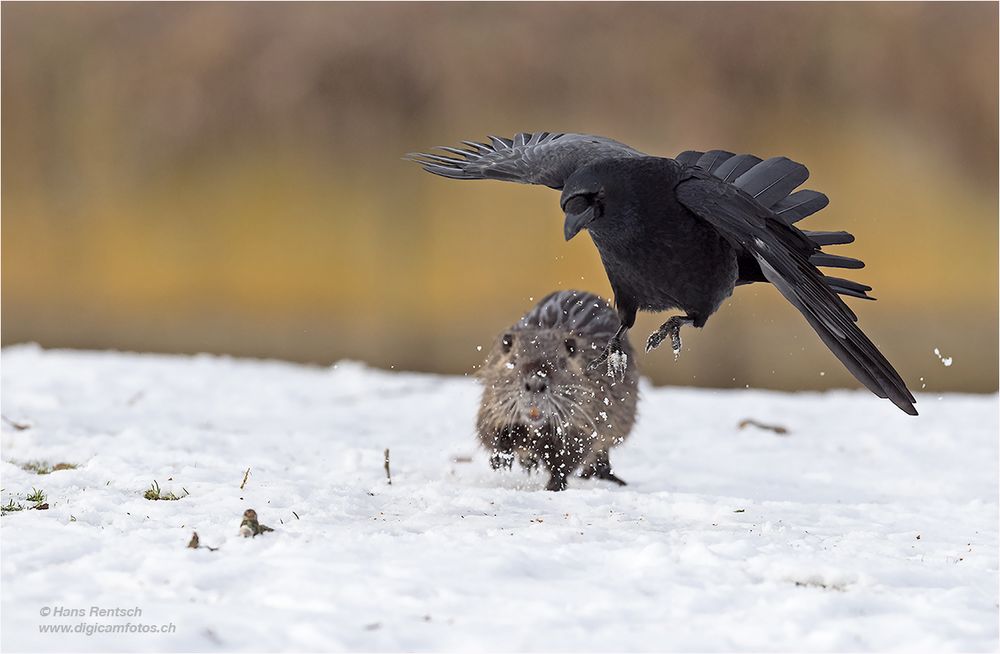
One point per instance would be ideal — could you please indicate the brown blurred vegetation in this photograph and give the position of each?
(226, 177)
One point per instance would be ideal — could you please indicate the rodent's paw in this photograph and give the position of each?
(501, 460)
(556, 483)
(528, 461)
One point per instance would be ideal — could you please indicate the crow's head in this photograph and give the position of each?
(582, 201)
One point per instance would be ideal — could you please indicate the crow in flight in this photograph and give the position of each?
(682, 233)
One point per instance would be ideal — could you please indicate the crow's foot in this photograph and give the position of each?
(671, 328)
(616, 359)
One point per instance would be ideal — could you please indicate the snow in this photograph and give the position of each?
(860, 529)
(947, 361)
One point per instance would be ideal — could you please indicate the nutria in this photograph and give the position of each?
(543, 402)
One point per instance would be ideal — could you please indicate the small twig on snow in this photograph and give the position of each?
(19, 426)
(195, 543)
(750, 422)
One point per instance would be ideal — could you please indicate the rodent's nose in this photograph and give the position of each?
(535, 384)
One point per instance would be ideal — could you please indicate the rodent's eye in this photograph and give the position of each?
(571, 346)
(507, 341)
(578, 204)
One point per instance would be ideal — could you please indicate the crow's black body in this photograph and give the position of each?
(658, 255)
(683, 233)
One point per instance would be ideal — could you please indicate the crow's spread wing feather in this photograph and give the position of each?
(688, 157)
(713, 159)
(734, 167)
(800, 204)
(779, 249)
(771, 183)
(538, 158)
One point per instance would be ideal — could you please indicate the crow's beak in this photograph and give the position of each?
(576, 222)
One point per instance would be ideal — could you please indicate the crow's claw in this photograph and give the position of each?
(599, 361)
(616, 359)
(675, 342)
(617, 364)
(672, 329)
(654, 341)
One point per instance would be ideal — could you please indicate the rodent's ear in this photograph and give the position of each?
(571, 346)
(507, 341)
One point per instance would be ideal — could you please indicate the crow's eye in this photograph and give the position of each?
(506, 342)
(578, 204)
(571, 346)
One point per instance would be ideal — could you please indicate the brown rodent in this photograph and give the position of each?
(541, 400)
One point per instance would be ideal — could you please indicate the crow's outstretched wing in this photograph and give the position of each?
(538, 158)
(780, 250)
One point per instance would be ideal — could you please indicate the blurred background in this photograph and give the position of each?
(227, 178)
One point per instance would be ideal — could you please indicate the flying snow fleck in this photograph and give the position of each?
(947, 361)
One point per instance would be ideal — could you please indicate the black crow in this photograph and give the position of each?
(682, 233)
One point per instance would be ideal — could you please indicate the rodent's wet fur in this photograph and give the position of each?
(541, 403)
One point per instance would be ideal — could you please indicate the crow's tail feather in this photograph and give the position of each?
(835, 324)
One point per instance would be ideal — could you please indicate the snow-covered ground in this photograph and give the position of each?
(861, 529)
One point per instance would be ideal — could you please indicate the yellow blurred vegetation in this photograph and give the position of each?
(227, 177)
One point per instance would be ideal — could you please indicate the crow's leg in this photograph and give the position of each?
(671, 328)
(614, 355)
(601, 468)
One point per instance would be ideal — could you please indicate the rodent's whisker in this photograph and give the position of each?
(565, 412)
(561, 412)
(583, 412)
(587, 390)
